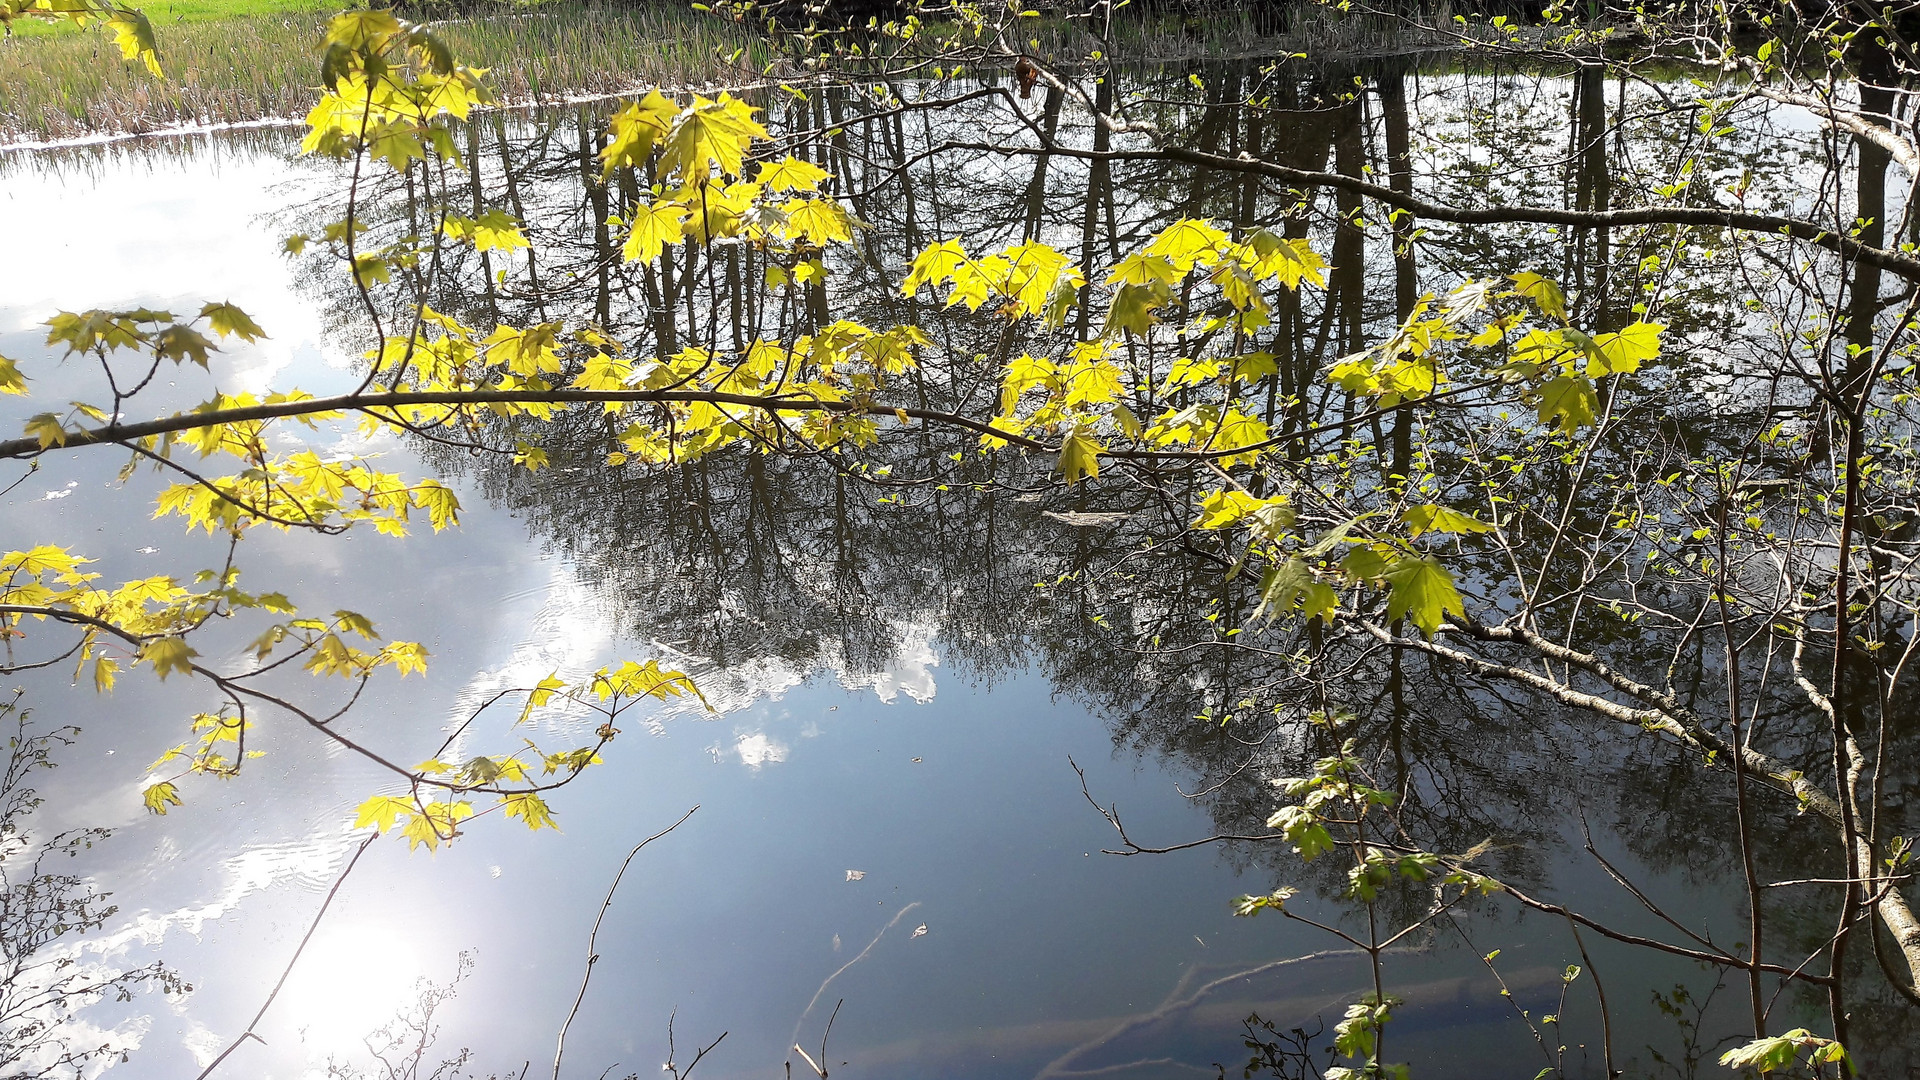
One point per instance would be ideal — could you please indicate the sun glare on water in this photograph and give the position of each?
(353, 978)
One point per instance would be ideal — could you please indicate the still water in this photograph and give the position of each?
(890, 824)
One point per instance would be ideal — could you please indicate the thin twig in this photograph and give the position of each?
(294, 959)
(560, 1044)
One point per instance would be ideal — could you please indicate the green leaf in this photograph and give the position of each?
(1626, 350)
(1333, 537)
(353, 622)
(159, 796)
(790, 174)
(1354, 1036)
(1428, 517)
(11, 381)
(1276, 900)
(1544, 292)
(1095, 383)
(1060, 302)
(1292, 261)
(652, 230)
(382, 812)
(1186, 242)
(817, 221)
(104, 668)
(438, 822)
(541, 694)
(167, 655)
(1224, 508)
(1568, 402)
(1142, 269)
(177, 343)
(1421, 589)
(497, 230)
(934, 266)
(1309, 838)
(228, 321)
(1079, 456)
(368, 28)
(134, 34)
(1290, 586)
(1774, 1051)
(47, 430)
(1364, 563)
(368, 269)
(429, 45)
(440, 503)
(707, 133)
(635, 130)
(531, 809)
(1133, 308)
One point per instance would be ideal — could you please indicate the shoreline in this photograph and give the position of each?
(69, 90)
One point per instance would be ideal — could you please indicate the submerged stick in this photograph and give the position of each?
(808, 1011)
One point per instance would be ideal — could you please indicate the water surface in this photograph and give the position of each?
(890, 823)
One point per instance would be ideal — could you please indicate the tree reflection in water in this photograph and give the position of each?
(843, 560)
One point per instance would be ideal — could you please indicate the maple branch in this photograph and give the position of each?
(318, 408)
(1898, 263)
(234, 688)
(375, 405)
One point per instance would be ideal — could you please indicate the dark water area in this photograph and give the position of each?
(923, 673)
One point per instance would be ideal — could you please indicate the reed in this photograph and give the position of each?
(231, 61)
(265, 65)
(575, 49)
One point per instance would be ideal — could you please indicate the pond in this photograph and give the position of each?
(918, 698)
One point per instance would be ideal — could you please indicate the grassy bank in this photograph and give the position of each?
(237, 60)
(223, 67)
(165, 13)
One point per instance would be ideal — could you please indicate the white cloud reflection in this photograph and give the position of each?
(757, 749)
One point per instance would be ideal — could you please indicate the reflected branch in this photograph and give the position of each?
(1112, 815)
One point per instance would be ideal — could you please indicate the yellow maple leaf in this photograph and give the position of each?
(652, 229)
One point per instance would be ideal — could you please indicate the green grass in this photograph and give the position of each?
(264, 62)
(174, 12)
(208, 10)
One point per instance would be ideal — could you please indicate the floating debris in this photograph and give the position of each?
(1084, 518)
